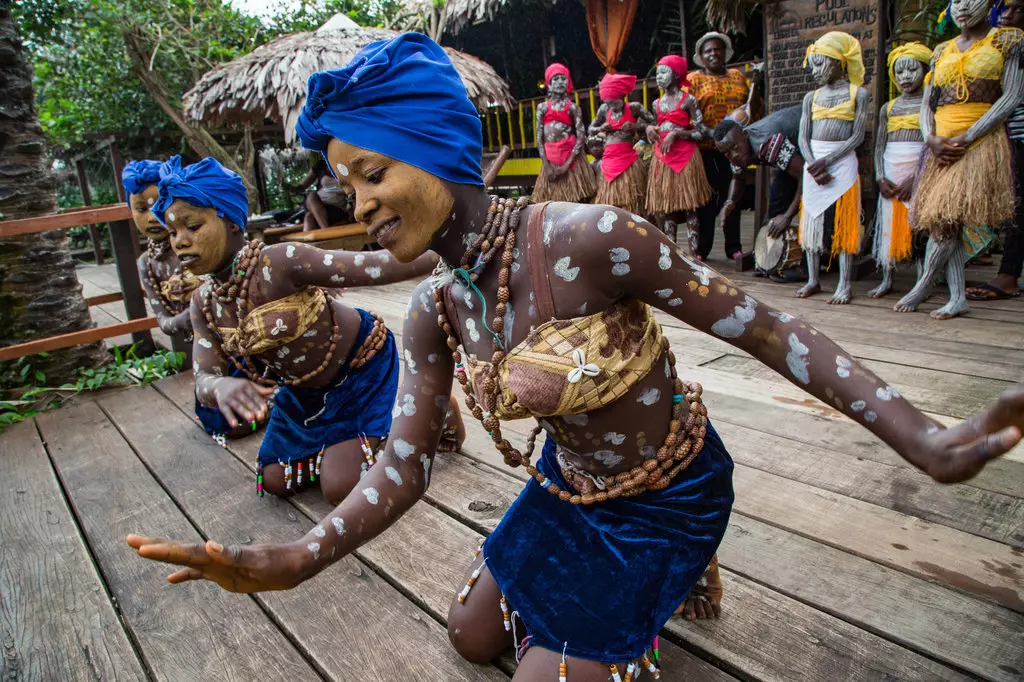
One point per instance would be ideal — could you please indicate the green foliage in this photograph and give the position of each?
(24, 394)
(83, 78)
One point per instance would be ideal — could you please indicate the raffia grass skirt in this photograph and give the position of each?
(975, 192)
(628, 191)
(671, 192)
(577, 185)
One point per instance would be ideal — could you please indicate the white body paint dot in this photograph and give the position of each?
(563, 270)
(607, 222)
(733, 326)
(314, 547)
(371, 495)
(665, 256)
(342, 169)
(796, 359)
(319, 531)
(403, 449)
(649, 397)
(339, 525)
(393, 475)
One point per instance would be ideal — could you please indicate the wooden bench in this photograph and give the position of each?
(351, 237)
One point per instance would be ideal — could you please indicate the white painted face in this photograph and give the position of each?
(909, 74)
(824, 70)
(968, 13)
(664, 76)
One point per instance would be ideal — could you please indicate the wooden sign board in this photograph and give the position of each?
(792, 25)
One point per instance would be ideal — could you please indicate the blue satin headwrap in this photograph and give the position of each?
(138, 175)
(402, 98)
(205, 184)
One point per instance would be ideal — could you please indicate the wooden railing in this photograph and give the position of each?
(125, 246)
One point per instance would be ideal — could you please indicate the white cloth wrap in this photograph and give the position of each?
(899, 161)
(817, 198)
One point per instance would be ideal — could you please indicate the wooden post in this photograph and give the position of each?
(94, 231)
(125, 244)
(261, 183)
(682, 27)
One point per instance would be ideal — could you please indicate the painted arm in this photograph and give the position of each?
(169, 322)
(643, 117)
(309, 266)
(659, 274)
(860, 123)
(880, 139)
(1013, 89)
(581, 133)
(538, 132)
(927, 116)
(388, 490)
(700, 131)
(239, 400)
(806, 124)
(596, 126)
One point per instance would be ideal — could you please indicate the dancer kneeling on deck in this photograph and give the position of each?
(632, 491)
(966, 187)
(168, 286)
(898, 147)
(831, 128)
(622, 180)
(330, 370)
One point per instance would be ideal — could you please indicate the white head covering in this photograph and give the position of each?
(712, 35)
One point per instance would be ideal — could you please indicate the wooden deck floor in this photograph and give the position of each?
(841, 562)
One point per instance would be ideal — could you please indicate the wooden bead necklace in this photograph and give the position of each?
(685, 439)
(154, 251)
(236, 288)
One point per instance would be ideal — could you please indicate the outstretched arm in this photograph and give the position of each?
(662, 276)
(388, 490)
(306, 265)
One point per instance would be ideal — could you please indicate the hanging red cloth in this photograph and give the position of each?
(610, 22)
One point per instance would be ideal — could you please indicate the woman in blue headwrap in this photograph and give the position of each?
(545, 311)
(167, 287)
(267, 312)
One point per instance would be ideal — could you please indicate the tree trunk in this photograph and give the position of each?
(198, 139)
(40, 295)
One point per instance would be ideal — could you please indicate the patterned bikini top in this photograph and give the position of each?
(982, 61)
(844, 111)
(567, 366)
(274, 324)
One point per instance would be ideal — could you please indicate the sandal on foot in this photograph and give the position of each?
(987, 292)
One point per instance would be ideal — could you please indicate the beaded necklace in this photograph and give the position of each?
(684, 440)
(236, 289)
(156, 250)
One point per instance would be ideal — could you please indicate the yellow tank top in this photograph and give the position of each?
(981, 61)
(844, 111)
(904, 122)
(274, 324)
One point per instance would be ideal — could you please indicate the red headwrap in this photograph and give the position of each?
(677, 64)
(616, 86)
(556, 69)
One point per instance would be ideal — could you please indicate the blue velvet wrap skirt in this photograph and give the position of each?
(601, 580)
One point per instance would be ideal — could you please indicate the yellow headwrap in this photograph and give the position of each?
(845, 48)
(918, 51)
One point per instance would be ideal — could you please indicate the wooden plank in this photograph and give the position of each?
(196, 633)
(979, 512)
(426, 552)
(104, 298)
(60, 221)
(75, 338)
(339, 617)
(56, 621)
(333, 232)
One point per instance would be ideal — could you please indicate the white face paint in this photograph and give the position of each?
(649, 397)
(733, 326)
(342, 170)
(823, 69)
(150, 201)
(339, 525)
(796, 359)
(371, 494)
(843, 366)
(968, 13)
(393, 475)
(563, 270)
(664, 257)
(314, 547)
(403, 449)
(170, 217)
(620, 257)
(909, 74)
(319, 531)
(607, 222)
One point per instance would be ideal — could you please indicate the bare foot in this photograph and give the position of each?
(705, 599)
(808, 290)
(841, 296)
(880, 291)
(453, 433)
(950, 310)
(909, 303)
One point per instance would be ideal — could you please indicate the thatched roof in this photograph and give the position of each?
(729, 16)
(270, 81)
(457, 14)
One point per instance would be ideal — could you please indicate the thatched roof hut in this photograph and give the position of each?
(270, 81)
(455, 15)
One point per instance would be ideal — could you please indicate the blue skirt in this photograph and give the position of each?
(210, 417)
(303, 421)
(602, 580)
